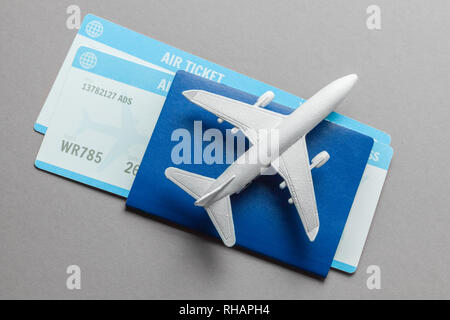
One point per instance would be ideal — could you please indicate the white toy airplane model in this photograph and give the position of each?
(291, 161)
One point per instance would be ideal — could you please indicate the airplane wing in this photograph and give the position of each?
(244, 116)
(293, 166)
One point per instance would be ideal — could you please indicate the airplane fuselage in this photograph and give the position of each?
(289, 130)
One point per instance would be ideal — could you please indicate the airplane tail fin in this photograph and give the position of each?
(219, 212)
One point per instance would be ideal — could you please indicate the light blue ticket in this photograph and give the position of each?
(114, 39)
(106, 114)
(363, 209)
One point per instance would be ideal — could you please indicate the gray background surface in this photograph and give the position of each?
(48, 223)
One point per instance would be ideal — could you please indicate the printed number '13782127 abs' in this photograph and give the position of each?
(106, 93)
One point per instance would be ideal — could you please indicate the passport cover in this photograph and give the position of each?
(265, 223)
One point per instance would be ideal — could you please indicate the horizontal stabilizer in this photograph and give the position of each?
(219, 211)
(222, 217)
(194, 184)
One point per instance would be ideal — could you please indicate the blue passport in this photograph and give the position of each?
(265, 223)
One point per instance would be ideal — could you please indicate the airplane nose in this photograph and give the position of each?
(336, 91)
(345, 84)
(350, 80)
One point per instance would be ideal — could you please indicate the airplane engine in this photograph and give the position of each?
(320, 160)
(265, 99)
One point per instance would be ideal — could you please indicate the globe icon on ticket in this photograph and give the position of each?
(94, 29)
(88, 60)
